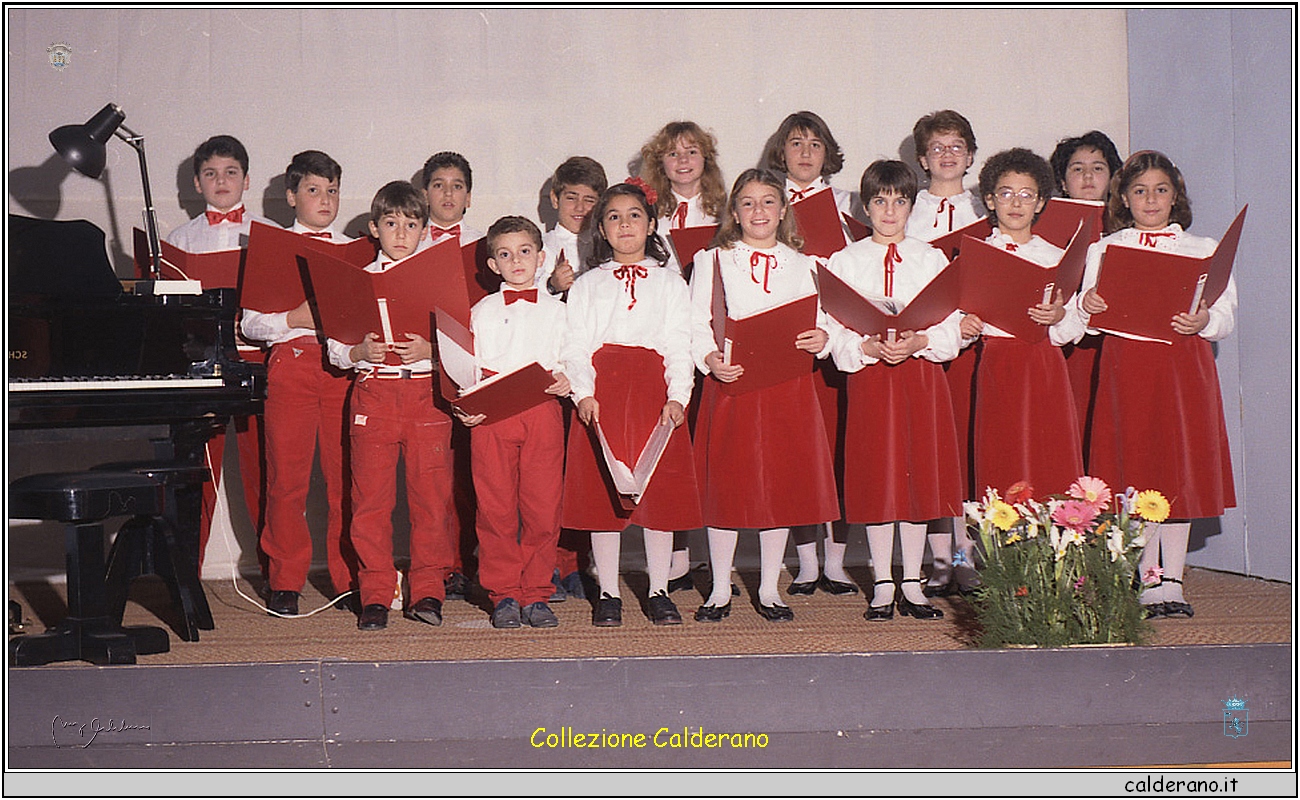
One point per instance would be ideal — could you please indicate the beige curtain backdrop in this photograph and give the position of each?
(518, 91)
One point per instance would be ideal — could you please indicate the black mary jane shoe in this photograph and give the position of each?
(678, 584)
(1177, 608)
(939, 590)
(807, 587)
(830, 586)
(907, 608)
(712, 613)
(880, 613)
(663, 611)
(608, 612)
(775, 613)
(1155, 610)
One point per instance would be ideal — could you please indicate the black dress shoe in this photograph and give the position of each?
(807, 587)
(608, 612)
(283, 604)
(835, 587)
(1173, 608)
(712, 613)
(939, 590)
(907, 608)
(775, 613)
(880, 613)
(374, 617)
(427, 610)
(663, 611)
(678, 584)
(1155, 610)
(456, 587)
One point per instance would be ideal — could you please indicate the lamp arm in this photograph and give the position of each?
(150, 216)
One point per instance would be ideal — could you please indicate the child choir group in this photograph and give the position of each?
(921, 420)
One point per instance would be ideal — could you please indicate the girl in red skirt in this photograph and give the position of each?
(1158, 422)
(628, 358)
(900, 448)
(762, 457)
(1025, 421)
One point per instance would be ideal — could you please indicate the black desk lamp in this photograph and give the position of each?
(82, 146)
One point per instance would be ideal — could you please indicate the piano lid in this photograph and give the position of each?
(59, 258)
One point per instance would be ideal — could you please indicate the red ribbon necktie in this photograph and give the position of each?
(769, 261)
(318, 234)
(628, 273)
(891, 258)
(527, 295)
(679, 216)
(798, 194)
(1012, 246)
(436, 233)
(235, 215)
(1150, 238)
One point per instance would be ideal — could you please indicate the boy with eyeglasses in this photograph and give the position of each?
(945, 148)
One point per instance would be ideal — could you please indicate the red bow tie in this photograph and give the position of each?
(798, 194)
(235, 215)
(437, 233)
(768, 260)
(1012, 247)
(1150, 238)
(527, 295)
(628, 273)
(318, 234)
(679, 216)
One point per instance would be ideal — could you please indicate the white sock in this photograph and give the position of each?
(605, 547)
(808, 571)
(681, 564)
(658, 558)
(835, 561)
(1173, 555)
(722, 552)
(880, 540)
(771, 545)
(911, 536)
(1148, 561)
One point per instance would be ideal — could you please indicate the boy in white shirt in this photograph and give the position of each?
(576, 186)
(518, 462)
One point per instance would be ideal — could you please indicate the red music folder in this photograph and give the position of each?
(871, 316)
(1062, 216)
(480, 280)
(763, 343)
(858, 230)
(631, 481)
(275, 270)
(1144, 289)
(349, 299)
(999, 286)
(689, 241)
(950, 243)
(498, 397)
(818, 220)
(219, 270)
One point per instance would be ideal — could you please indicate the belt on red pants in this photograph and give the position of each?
(399, 374)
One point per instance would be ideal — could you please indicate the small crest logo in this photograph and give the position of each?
(60, 55)
(1236, 718)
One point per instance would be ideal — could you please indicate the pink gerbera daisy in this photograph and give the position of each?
(1092, 491)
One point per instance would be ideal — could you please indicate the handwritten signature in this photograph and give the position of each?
(95, 727)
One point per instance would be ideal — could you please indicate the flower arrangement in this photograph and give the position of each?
(1061, 571)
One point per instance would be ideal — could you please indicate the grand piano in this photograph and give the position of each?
(95, 363)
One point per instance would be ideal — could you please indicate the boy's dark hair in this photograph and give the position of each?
(1017, 159)
(946, 121)
(579, 171)
(220, 145)
(311, 162)
(399, 197)
(512, 225)
(601, 249)
(888, 177)
(1119, 216)
(444, 159)
(774, 156)
(1093, 140)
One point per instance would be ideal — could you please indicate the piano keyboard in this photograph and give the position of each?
(123, 383)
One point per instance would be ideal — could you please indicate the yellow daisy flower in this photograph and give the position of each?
(1003, 515)
(1151, 506)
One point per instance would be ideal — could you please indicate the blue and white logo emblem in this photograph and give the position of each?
(1236, 718)
(60, 55)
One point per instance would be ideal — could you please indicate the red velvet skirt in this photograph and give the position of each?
(631, 391)
(1026, 426)
(900, 445)
(960, 374)
(1081, 361)
(762, 457)
(1158, 424)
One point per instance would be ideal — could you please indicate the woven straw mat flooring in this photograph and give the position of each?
(1230, 609)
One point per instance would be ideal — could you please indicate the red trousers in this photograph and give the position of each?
(518, 467)
(305, 404)
(252, 468)
(392, 418)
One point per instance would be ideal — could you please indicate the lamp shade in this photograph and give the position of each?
(82, 146)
